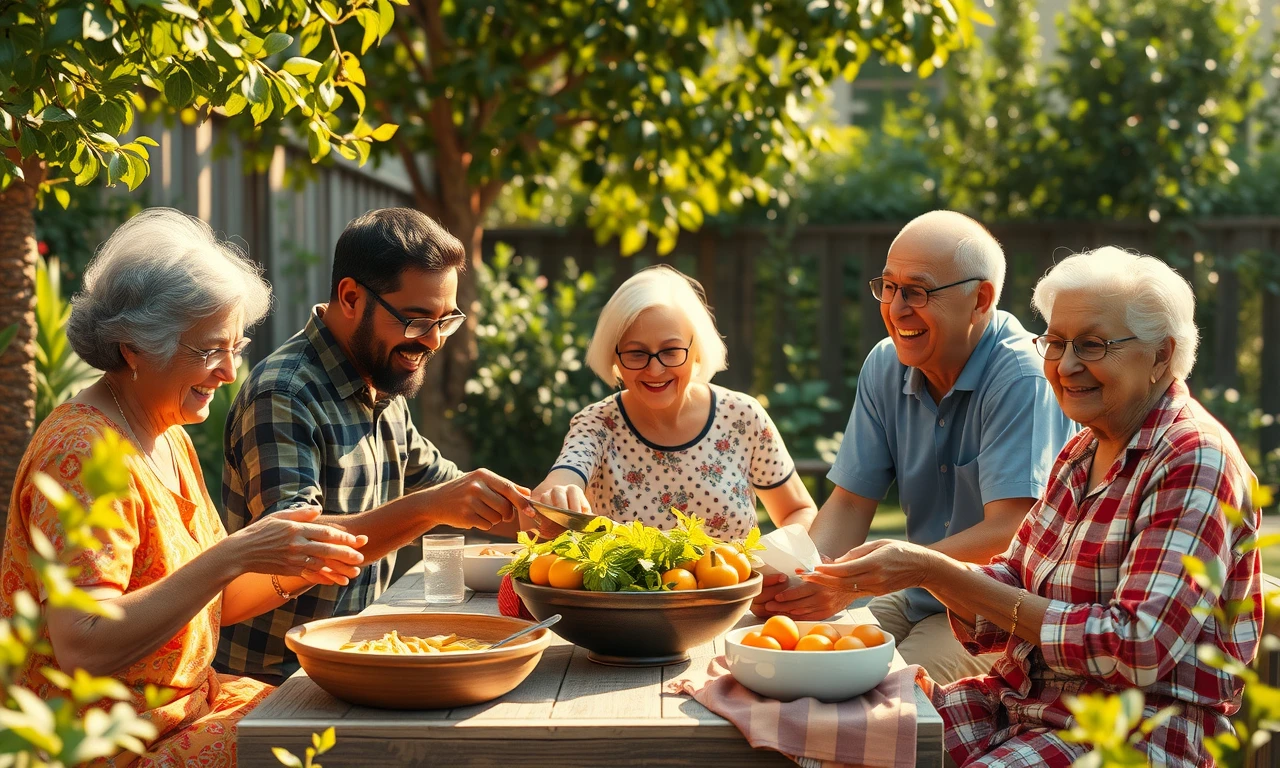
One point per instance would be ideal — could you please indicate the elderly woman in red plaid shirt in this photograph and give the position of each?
(1093, 593)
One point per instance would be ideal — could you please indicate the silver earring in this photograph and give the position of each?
(135, 375)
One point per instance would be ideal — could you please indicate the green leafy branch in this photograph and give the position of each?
(71, 76)
(1114, 723)
(320, 743)
(95, 717)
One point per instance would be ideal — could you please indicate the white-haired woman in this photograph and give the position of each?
(1093, 594)
(669, 438)
(163, 313)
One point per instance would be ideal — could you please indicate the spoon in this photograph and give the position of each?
(540, 625)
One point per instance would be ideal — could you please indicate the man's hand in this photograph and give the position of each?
(478, 499)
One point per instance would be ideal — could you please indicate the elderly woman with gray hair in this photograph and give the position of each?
(1093, 593)
(163, 313)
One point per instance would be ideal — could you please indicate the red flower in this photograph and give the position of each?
(722, 445)
(43, 248)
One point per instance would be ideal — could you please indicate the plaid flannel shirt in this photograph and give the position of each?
(1124, 611)
(305, 430)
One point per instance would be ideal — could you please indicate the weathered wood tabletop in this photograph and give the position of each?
(568, 712)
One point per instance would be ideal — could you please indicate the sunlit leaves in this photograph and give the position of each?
(673, 110)
(1113, 724)
(73, 73)
(93, 717)
(320, 743)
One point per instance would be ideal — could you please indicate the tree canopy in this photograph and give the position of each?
(72, 76)
(670, 110)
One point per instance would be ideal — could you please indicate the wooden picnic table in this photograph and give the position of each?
(568, 712)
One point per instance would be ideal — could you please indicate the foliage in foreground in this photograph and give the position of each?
(92, 717)
(1115, 724)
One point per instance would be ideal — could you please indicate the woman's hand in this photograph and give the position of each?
(568, 497)
(877, 567)
(289, 543)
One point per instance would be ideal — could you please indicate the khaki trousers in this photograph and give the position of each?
(928, 642)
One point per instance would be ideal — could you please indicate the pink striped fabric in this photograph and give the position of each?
(876, 729)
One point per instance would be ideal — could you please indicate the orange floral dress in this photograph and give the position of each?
(162, 532)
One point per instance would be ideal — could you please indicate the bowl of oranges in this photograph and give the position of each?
(787, 660)
(636, 596)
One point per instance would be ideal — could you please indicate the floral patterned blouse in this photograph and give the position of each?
(713, 476)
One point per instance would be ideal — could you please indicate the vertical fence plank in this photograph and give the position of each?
(831, 334)
(1269, 394)
(1226, 332)
(744, 333)
(871, 327)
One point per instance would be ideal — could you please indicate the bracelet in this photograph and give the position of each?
(275, 584)
(1014, 629)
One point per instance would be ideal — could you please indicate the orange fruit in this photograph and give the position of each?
(714, 571)
(782, 629)
(826, 630)
(757, 640)
(849, 643)
(679, 578)
(687, 565)
(717, 576)
(541, 567)
(733, 556)
(869, 634)
(565, 574)
(814, 643)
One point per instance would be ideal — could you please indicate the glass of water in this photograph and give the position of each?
(442, 569)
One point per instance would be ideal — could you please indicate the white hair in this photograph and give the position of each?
(1159, 303)
(159, 274)
(657, 286)
(981, 257)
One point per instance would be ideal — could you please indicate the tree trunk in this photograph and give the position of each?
(17, 305)
(447, 375)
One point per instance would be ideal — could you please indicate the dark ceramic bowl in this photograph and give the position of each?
(640, 629)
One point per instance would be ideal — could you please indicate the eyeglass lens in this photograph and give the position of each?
(419, 327)
(638, 360)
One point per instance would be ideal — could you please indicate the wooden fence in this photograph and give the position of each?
(744, 273)
(289, 228)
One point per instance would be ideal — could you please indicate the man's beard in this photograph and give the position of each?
(381, 369)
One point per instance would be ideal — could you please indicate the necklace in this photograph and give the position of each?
(145, 456)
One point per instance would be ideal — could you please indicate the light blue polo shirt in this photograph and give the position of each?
(994, 436)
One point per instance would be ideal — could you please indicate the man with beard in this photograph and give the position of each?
(323, 421)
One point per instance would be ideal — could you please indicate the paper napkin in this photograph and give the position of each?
(787, 549)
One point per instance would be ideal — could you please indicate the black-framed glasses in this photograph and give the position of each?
(638, 359)
(1087, 348)
(213, 357)
(417, 327)
(913, 295)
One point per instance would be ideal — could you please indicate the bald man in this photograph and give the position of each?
(955, 409)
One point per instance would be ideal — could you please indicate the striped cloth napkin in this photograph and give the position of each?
(876, 729)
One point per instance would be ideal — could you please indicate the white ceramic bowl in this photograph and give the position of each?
(825, 675)
(480, 572)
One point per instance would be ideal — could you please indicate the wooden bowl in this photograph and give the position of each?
(640, 629)
(416, 681)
